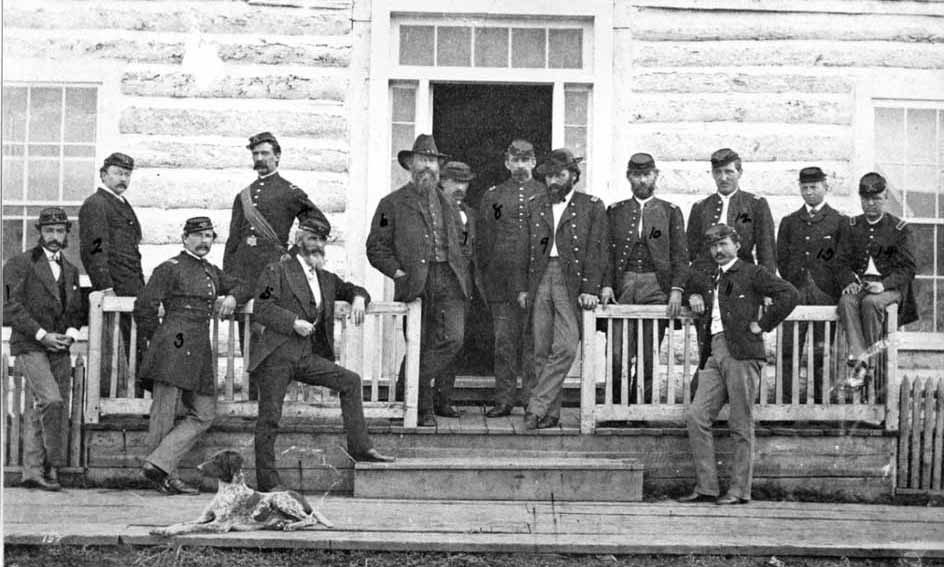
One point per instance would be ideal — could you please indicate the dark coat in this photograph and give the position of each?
(32, 301)
(280, 203)
(891, 246)
(109, 235)
(179, 352)
(470, 239)
(502, 246)
(582, 240)
(400, 238)
(748, 214)
(664, 237)
(809, 247)
(282, 296)
(742, 291)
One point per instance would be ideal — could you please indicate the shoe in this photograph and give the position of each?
(547, 422)
(530, 421)
(426, 420)
(729, 499)
(173, 485)
(153, 473)
(694, 498)
(41, 483)
(501, 410)
(447, 411)
(373, 456)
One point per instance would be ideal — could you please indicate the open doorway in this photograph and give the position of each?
(475, 123)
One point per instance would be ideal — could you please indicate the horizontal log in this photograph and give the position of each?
(225, 153)
(168, 188)
(818, 53)
(754, 142)
(791, 109)
(894, 7)
(264, 83)
(654, 24)
(231, 122)
(738, 81)
(204, 17)
(766, 178)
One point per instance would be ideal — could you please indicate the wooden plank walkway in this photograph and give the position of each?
(113, 517)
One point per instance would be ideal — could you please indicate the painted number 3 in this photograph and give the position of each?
(179, 340)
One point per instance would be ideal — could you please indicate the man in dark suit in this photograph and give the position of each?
(295, 305)
(807, 247)
(732, 356)
(43, 305)
(876, 268)
(178, 364)
(567, 233)
(416, 239)
(648, 263)
(109, 235)
(263, 214)
(502, 249)
(747, 213)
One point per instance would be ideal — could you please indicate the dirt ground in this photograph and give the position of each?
(171, 556)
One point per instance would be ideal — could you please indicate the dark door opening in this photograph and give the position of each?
(475, 123)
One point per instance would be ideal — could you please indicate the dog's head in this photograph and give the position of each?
(224, 466)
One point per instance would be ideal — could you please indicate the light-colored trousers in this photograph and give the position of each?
(863, 317)
(44, 439)
(556, 336)
(169, 442)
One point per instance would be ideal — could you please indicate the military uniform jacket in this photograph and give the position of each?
(742, 290)
(748, 214)
(809, 247)
(282, 296)
(109, 235)
(890, 244)
(664, 236)
(401, 238)
(502, 247)
(179, 352)
(33, 301)
(581, 236)
(280, 203)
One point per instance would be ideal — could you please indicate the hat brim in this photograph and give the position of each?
(405, 155)
(460, 178)
(50, 223)
(546, 168)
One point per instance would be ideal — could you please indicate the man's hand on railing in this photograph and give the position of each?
(302, 327)
(358, 308)
(675, 303)
(227, 306)
(755, 328)
(56, 341)
(696, 303)
(523, 299)
(607, 296)
(588, 301)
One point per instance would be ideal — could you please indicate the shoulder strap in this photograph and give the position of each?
(256, 219)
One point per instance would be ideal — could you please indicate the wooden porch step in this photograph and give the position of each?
(502, 478)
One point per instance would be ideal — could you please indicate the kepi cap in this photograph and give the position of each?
(641, 163)
(120, 160)
(53, 215)
(872, 183)
(811, 175)
(520, 148)
(457, 171)
(719, 232)
(260, 138)
(723, 157)
(198, 224)
(559, 160)
(424, 145)
(315, 226)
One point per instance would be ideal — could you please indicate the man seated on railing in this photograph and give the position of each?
(294, 303)
(876, 268)
(732, 356)
(43, 305)
(179, 359)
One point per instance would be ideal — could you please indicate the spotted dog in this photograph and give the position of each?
(237, 507)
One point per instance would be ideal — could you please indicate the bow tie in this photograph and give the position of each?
(55, 258)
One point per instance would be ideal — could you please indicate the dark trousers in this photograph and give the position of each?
(273, 377)
(637, 288)
(810, 294)
(514, 352)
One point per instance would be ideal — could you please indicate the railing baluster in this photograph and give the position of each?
(215, 351)
(75, 416)
(795, 366)
(670, 372)
(686, 363)
(938, 482)
(230, 378)
(656, 363)
(625, 364)
(247, 321)
(810, 366)
(640, 367)
(916, 427)
(927, 453)
(825, 378)
(132, 359)
(16, 417)
(608, 368)
(115, 349)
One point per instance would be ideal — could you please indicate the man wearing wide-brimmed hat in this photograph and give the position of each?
(416, 239)
(179, 360)
(567, 235)
(43, 305)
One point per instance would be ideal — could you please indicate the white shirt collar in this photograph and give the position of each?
(116, 195)
(194, 256)
(729, 195)
(816, 209)
(268, 174)
(51, 255)
(563, 204)
(726, 267)
(642, 202)
(308, 269)
(875, 221)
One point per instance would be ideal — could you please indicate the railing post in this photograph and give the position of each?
(891, 368)
(411, 391)
(75, 417)
(94, 369)
(588, 392)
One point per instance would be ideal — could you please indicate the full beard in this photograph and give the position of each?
(425, 179)
(558, 192)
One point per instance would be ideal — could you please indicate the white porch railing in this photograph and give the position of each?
(676, 360)
(374, 350)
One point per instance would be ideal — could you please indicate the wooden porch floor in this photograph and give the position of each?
(124, 517)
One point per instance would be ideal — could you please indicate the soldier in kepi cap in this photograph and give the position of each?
(876, 268)
(179, 360)
(43, 305)
(263, 213)
(502, 249)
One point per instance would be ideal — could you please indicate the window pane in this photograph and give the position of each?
(78, 179)
(81, 110)
(44, 150)
(924, 248)
(45, 114)
(575, 138)
(895, 176)
(566, 49)
(889, 135)
(528, 46)
(43, 182)
(404, 105)
(78, 151)
(940, 250)
(491, 47)
(402, 138)
(921, 135)
(416, 45)
(924, 297)
(575, 108)
(398, 175)
(454, 46)
(939, 328)
(13, 150)
(14, 114)
(12, 179)
(12, 238)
